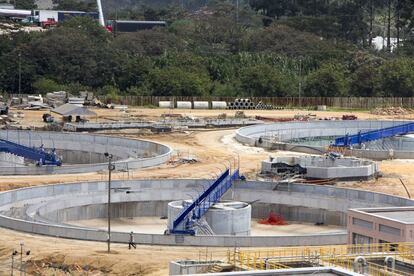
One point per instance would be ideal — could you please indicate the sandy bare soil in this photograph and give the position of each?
(214, 150)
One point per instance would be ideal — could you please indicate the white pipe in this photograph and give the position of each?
(101, 15)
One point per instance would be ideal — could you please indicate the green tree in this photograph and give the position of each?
(46, 85)
(173, 81)
(73, 5)
(329, 80)
(25, 4)
(71, 54)
(265, 81)
(397, 77)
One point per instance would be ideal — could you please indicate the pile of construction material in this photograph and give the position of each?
(242, 104)
(249, 104)
(391, 111)
(263, 106)
(193, 105)
(55, 99)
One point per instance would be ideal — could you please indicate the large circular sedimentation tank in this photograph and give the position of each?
(50, 210)
(81, 153)
(316, 136)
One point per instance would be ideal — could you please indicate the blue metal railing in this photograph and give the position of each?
(36, 154)
(373, 135)
(197, 209)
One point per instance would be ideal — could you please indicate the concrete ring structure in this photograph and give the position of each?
(223, 218)
(83, 153)
(46, 210)
(316, 136)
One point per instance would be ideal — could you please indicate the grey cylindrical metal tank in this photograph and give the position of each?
(224, 218)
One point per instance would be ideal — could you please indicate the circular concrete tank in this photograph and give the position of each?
(224, 218)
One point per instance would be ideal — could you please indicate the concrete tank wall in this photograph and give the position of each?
(232, 219)
(282, 133)
(61, 196)
(129, 153)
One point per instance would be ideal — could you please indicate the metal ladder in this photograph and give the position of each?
(192, 213)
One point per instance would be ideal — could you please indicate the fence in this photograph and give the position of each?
(336, 102)
(335, 255)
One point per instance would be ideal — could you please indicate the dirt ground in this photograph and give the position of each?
(213, 149)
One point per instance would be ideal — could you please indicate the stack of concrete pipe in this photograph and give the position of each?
(263, 106)
(242, 104)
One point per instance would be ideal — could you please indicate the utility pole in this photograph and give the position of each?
(300, 82)
(21, 257)
(111, 167)
(20, 72)
(12, 261)
(237, 12)
(389, 27)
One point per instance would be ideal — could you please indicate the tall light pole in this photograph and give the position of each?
(12, 262)
(111, 167)
(20, 72)
(300, 82)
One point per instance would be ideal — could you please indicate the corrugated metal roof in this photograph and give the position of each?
(74, 110)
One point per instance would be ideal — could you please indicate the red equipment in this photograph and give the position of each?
(273, 219)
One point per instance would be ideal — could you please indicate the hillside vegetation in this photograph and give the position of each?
(264, 48)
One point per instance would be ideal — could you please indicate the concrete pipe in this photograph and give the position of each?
(165, 104)
(218, 105)
(184, 105)
(201, 105)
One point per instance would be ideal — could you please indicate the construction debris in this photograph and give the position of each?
(392, 111)
(348, 117)
(271, 119)
(222, 116)
(182, 160)
(240, 115)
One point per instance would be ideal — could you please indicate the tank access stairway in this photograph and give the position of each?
(40, 155)
(190, 216)
(359, 138)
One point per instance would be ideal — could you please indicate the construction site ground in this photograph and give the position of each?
(213, 149)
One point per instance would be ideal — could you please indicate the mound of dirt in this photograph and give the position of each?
(393, 110)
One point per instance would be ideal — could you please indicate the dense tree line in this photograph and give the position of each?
(264, 48)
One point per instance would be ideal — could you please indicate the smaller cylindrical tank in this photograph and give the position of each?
(165, 104)
(200, 105)
(184, 105)
(218, 105)
(224, 218)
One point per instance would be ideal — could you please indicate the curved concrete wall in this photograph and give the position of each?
(129, 153)
(223, 220)
(48, 200)
(295, 130)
